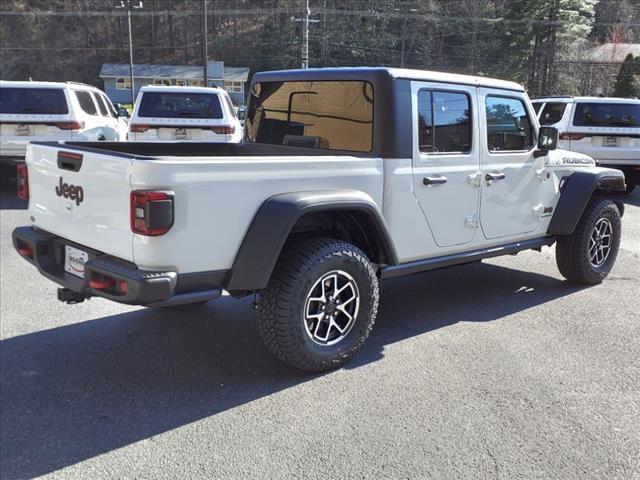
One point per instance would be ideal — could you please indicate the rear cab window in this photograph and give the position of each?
(86, 102)
(42, 101)
(607, 115)
(552, 113)
(331, 115)
(508, 124)
(180, 105)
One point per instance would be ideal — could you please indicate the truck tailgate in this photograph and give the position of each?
(81, 195)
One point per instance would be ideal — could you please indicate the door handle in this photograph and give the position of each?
(489, 177)
(434, 180)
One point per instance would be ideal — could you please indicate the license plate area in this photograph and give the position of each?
(181, 134)
(74, 260)
(24, 130)
(610, 142)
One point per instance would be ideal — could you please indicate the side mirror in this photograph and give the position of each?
(548, 138)
(123, 112)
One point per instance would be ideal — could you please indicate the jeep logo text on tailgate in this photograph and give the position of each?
(72, 192)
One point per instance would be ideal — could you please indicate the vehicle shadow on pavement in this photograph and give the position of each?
(74, 392)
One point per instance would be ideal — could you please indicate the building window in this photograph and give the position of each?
(233, 87)
(123, 83)
(196, 83)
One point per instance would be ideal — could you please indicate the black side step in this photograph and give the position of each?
(418, 266)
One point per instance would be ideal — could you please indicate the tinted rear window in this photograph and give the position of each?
(607, 115)
(552, 113)
(47, 101)
(334, 115)
(180, 105)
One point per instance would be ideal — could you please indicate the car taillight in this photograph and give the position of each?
(69, 125)
(223, 129)
(138, 128)
(571, 136)
(23, 181)
(151, 213)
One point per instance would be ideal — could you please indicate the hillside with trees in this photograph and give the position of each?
(541, 43)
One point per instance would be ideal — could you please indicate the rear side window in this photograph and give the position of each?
(45, 101)
(101, 106)
(108, 105)
(444, 122)
(86, 102)
(508, 125)
(552, 113)
(333, 115)
(607, 115)
(230, 105)
(180, 105)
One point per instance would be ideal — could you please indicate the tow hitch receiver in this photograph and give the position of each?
(69, 296)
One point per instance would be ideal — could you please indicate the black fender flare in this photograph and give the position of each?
(576, 192)
(274, 220)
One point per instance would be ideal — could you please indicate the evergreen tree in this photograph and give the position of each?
(628, 80)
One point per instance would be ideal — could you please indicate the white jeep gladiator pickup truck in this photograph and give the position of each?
(347, 176)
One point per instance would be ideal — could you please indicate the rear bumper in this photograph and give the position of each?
(127, 284)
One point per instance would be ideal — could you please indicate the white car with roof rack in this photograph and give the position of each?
(194, 114)
(605, 128)
(51, 111)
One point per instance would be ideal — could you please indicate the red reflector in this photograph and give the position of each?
(223, 129)
(571, 136)
(124, 286)
(138, 128)
(23, 181)
(151, 213)
(26, 251)
(101, 283)
(69, 125)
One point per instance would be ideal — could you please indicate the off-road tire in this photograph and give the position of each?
(572, 251)
(631, 185)
(281, 306)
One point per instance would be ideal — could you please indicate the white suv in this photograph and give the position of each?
(197, 114)
(48, 111)
(606, 129)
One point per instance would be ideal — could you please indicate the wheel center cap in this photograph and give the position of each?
(330, 308)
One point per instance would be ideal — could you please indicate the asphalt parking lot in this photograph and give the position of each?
(492, 370)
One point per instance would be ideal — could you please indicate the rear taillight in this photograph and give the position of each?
(151, 213)
(223, 129)
(23, 181)
(138, 128)
(69, 125)
(571, 136)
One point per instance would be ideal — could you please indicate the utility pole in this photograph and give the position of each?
(205, 55)
(305, 32)
(130, 5)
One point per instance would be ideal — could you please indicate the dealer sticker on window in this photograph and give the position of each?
(74, 261)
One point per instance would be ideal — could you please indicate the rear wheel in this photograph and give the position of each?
(587, 256)
(320, 304)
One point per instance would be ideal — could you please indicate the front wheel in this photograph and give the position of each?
(587, 256)
(320, 304)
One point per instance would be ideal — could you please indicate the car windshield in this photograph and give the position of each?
(44, 101)
(552, 113)
(607, 115)
(180, 105)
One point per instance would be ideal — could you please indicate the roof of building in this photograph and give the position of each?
(216, 70)
(612, 52)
